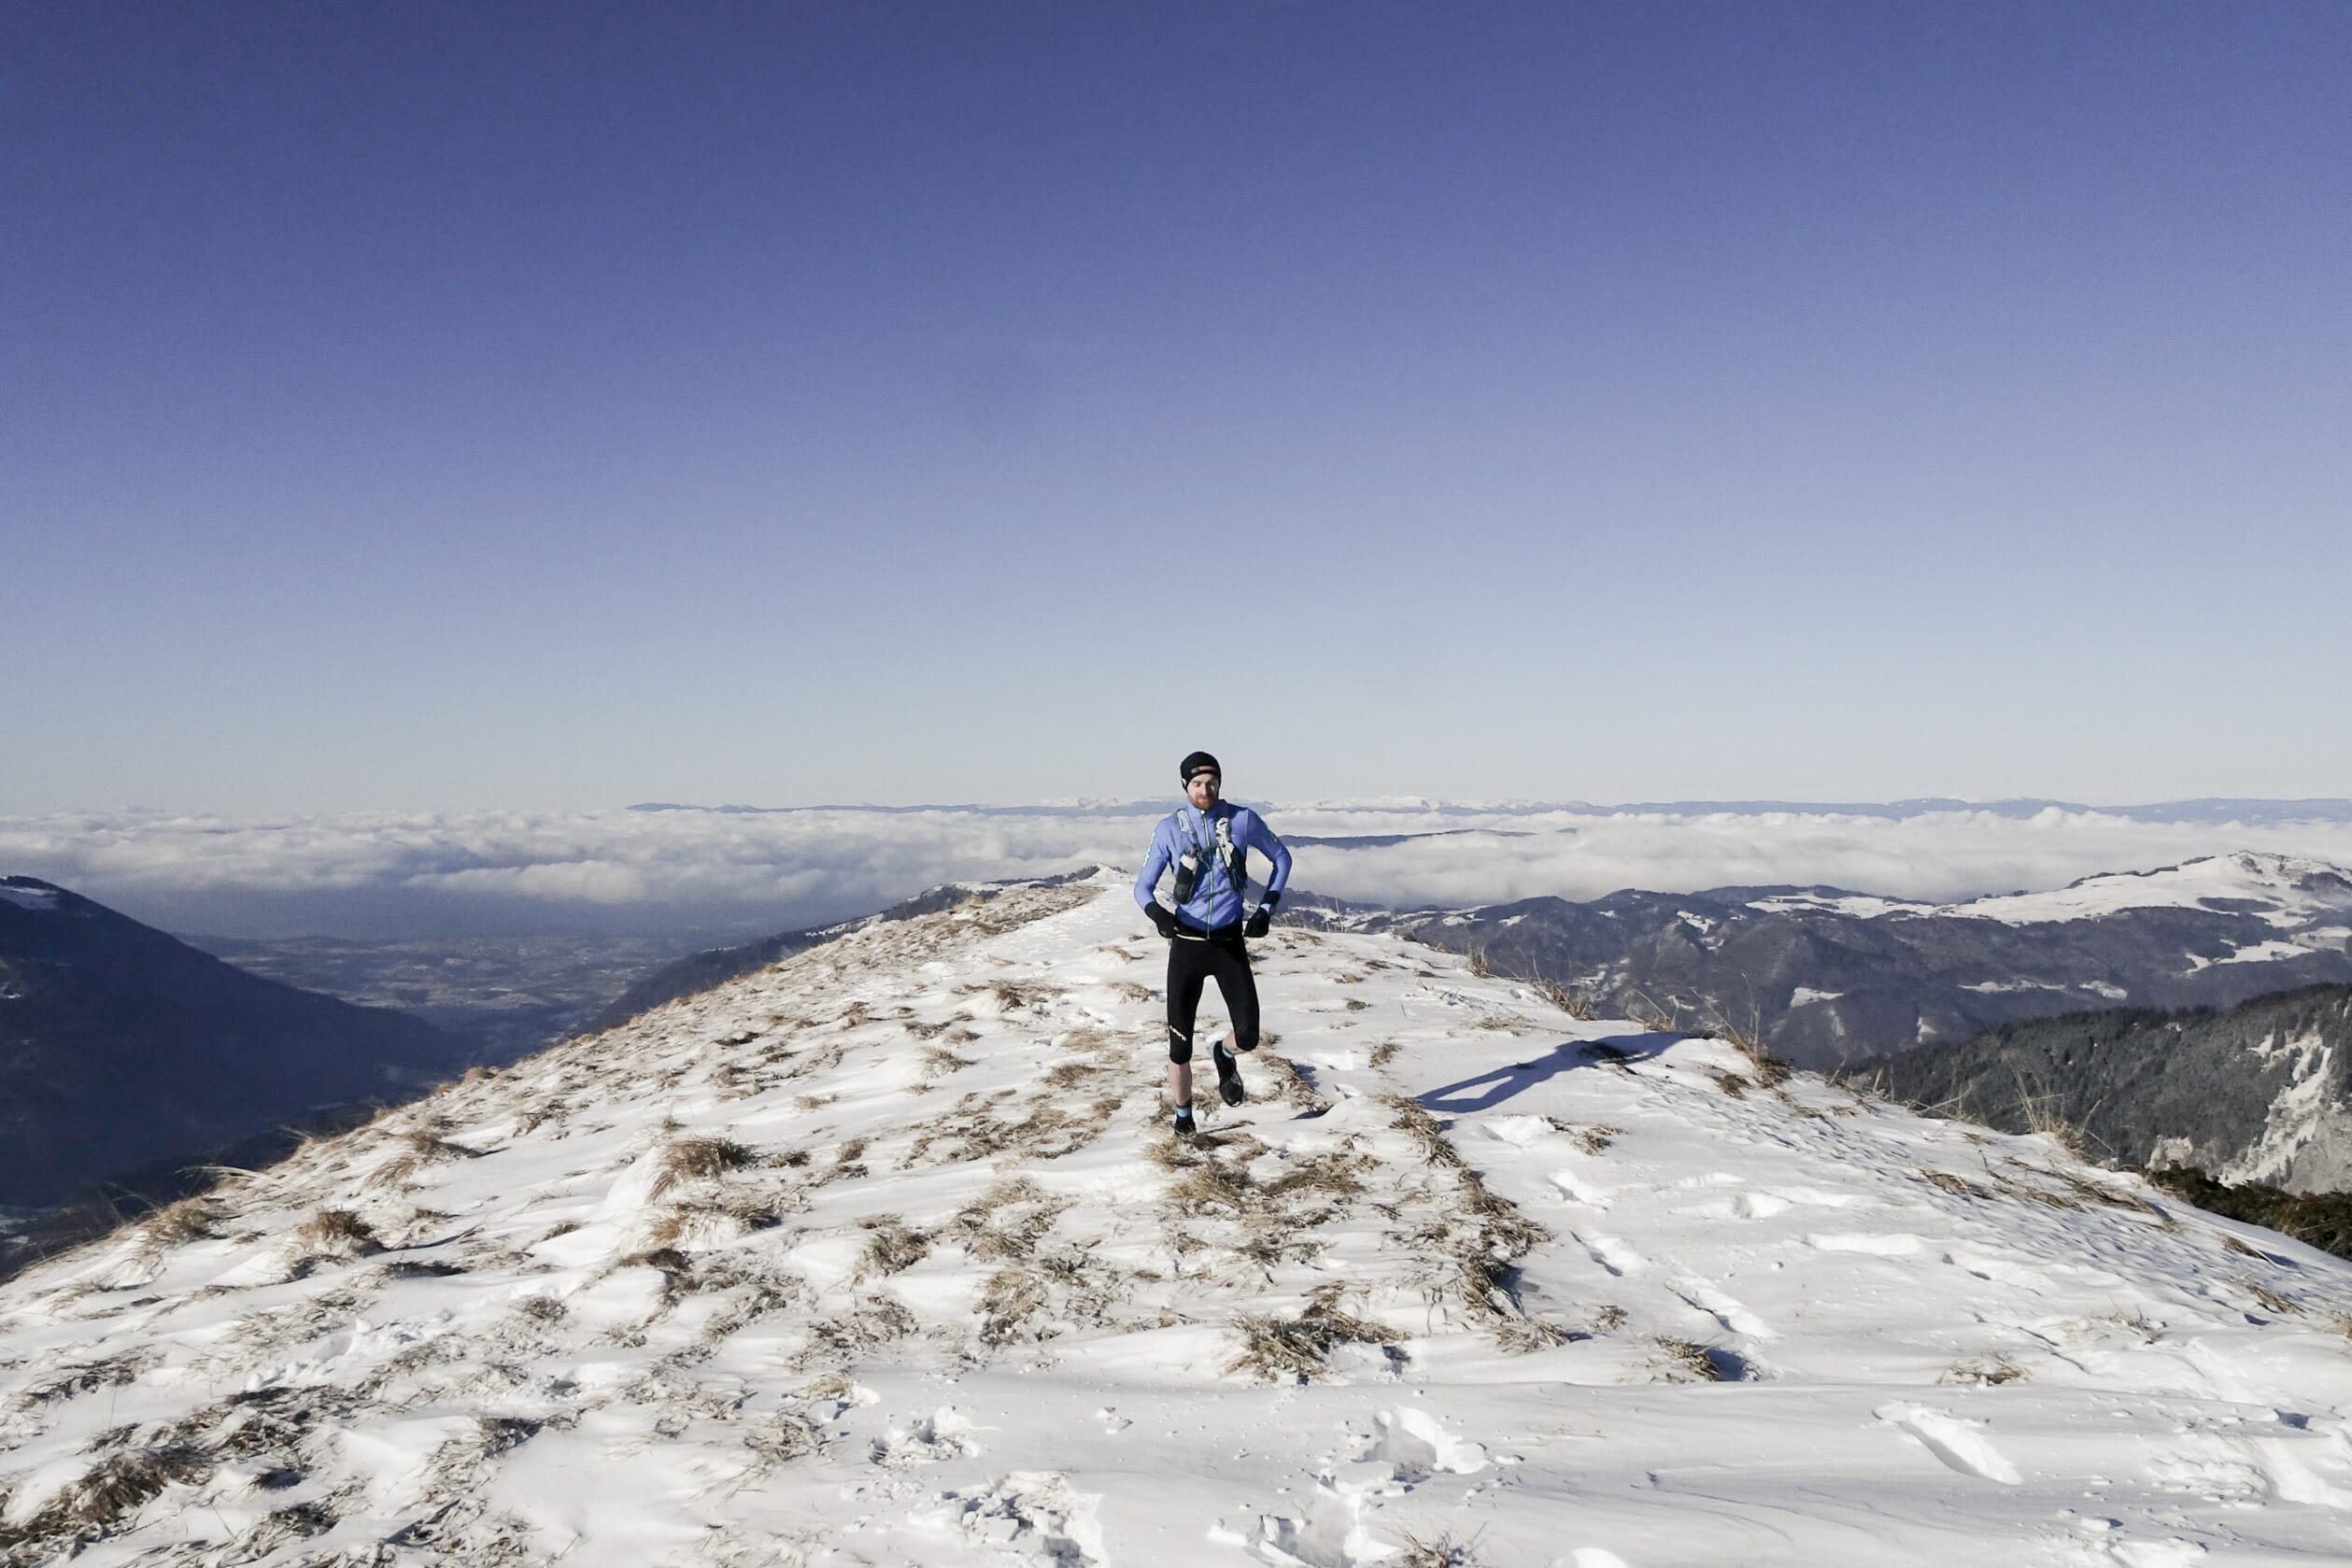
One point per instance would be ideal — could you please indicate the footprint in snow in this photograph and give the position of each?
(1331, 1535)
(946, 1433)
(1611, 1253)
(1717, 1304)
(1031, 1513)
(1416, 1446)
(1575, 1189)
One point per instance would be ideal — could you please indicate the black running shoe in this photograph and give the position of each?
(1228, 1076)
(1185, 1127)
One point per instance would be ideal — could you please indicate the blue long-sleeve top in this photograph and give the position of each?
(1215, 900)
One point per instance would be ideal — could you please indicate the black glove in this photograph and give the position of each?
(1163, 920)
(1264, 918)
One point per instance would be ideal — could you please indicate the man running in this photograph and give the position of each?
(1208, 841)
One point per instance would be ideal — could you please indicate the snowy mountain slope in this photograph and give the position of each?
(2289, 892)
(2261, 1093)
(121, 1047)
(881, 1256)
(1828, 977)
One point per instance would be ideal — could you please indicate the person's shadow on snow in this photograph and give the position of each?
(1490, 1089)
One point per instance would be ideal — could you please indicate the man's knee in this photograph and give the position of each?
(1179, 1045)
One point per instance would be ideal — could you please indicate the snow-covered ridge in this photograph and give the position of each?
(882, 1256)
(2286, 890)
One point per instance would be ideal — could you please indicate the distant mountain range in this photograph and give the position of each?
(2261, 1093)
(120, 1046)
(1827, 977)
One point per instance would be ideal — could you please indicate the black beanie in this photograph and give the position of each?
(1198, 762)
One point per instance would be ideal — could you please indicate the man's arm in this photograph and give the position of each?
(1261, 838)
(1147, 881)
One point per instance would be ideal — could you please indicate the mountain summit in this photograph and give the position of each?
(881, 1255)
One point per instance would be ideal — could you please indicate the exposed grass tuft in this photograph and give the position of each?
(1007, 1302)
(1687, 1361)
(1296, 1350)
(1441, 1550)
(1592, 1139)
(118, 1485)
(1413, 1119)
(938, 1062)
(1985, 1372)
(334, 1232)
(877, 1320)
(80, 1378)
(891, 1246)
(1959, 1185)
(698, 1159)
(1658, 1018)
(191, 1219)
(2270, 1299)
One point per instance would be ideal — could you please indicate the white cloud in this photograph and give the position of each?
(658, 869)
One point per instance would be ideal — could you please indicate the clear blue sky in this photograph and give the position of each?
(422, 405)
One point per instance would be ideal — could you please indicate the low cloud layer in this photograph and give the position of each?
(717, 873)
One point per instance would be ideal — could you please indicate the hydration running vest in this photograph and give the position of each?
(1224, 852)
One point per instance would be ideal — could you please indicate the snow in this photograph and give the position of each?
(882, 1256)
(28, 897)
(2266, 879)
(2276, 881)
(1805, 995)
(1862, 906)
(2259, 952)
(2295, 1114)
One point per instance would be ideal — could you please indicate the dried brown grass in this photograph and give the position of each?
(2270, 1299)
(102, 1496)
(334, 1232)
(1007, 1302)
(1413, 1119)
(938, 1062)
(1958, 1185)
(892, 1247)
(1985, 1372)
(1687, 1361)
(1592, 1139)
(1297, 1349)
(878, 1320)
(698, 1159)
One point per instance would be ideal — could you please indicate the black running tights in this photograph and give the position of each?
(1192, 964)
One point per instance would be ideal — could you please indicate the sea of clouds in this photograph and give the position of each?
(725, 874)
